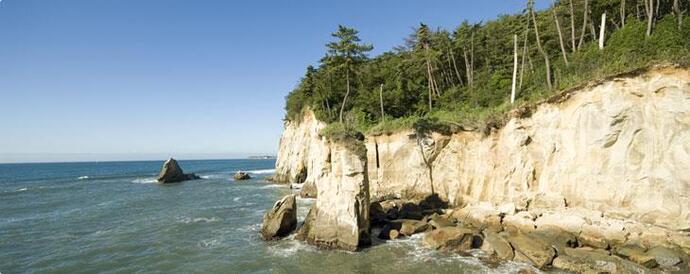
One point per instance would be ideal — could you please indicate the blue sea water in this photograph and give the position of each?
(111, 217)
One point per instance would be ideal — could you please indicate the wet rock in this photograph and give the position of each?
(665, 257)
(497, 246)
(432, 203)
(532, 250)
(172, 173)
(411, 227)
(454, 239)
(281, 220)
(241, 175)
(377, 214)
(587, 260)
(391, 208)
(410, 210)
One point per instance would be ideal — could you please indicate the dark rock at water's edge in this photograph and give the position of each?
(281, 220)
(241, 175)
(172, 173)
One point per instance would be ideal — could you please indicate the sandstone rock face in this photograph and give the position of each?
(281, 219)
(340, 216)
(172, 173)
(621, 146)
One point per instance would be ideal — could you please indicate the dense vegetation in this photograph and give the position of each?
(464, 77)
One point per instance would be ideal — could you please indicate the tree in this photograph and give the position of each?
(547, 62)
(345, 54)
(424, 44)
(649, 9)
(560, 34)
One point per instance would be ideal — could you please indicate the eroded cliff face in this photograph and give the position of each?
(621, 147)
(340, 216)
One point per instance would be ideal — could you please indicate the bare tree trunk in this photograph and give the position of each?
(679, 14)
(637, 8)
(602, 31)
(455, 67)
(572, 25)
(560, 36)
(383, 114)
(541, 50)
(524, 56)
(515, 68)
(622, 13)
(585, 15)
(347, 93)
(468, 69)
(649, 8)
(472, 57)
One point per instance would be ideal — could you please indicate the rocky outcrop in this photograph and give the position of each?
(172, 173)
(587, 172)
(241, 176)
(281, 219)
(339, 218)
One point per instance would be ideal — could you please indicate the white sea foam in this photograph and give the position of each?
(22, 189)
(262, 171)
(289, 247)
(272, 186)
(188, 220)
(82, 177)
(236, 199)
(144, 180)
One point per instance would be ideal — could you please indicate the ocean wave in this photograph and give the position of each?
(144, 181)
(262, 171)
(82, 177)
(188, 220)
(290, 247)
(272, 186)
(22, 189)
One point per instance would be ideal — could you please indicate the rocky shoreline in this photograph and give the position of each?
(592, 181)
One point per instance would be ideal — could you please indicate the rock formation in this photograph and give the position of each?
(594, 179)
(340, 216)
(281, 220)
(241, 175)
(172, 173)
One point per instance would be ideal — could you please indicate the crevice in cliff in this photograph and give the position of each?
(378, 162)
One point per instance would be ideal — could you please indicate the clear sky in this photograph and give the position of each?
(145, 79)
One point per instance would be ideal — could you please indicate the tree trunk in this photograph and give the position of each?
(524, 56)
(622, 13)
(649, 9)
(472, 57)
(679, 14)
(585, 15)
(572, 25)
(515, 68)
(383, 114)
(347, 93)
(468, 69)
(602, 31)
(455, 67)
(541, 50)
(560, 36)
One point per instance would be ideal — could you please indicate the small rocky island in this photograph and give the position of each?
(241, 176)
(172, 173)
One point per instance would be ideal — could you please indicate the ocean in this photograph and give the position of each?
(111, 217)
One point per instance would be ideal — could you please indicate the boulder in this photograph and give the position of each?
(410, 210)
(437, 221)
(455, 239)
(482, 216)
(557, 238)
(665, 257)
(587, 260)
(308, 190)
(411, 227)
(532, 250)
(497, 246)
(281, 219)
(172, 173)
(377, 216)
(241, 175)
(522, 222)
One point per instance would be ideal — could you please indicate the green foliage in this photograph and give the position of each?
(485, 50)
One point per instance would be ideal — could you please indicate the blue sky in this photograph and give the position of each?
(145, 79)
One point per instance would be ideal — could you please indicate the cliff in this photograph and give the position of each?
(619, 146)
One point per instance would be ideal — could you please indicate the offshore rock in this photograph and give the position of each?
(281, 219)
(172, 173)
(241, 176)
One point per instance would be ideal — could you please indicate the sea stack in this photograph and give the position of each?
(281, 219)
(241, 176)
(172, 173)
